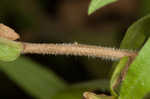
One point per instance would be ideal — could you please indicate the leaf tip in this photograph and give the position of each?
(97, 4)
(7, 32)
(91, 10)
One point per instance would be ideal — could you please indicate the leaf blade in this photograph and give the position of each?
(136, 34)
(34, 79)
(116, 77)
(134, 39)
(136, 83)
(97, 4)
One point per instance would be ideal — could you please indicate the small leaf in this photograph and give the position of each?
(96, 4)
(9, 50)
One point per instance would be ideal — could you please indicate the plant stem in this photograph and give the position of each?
(77, 50)
(66, 49)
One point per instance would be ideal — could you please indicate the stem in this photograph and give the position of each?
(66, 49)
(77, 50)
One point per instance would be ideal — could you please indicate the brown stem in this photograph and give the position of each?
(77, 50)
(66, 49)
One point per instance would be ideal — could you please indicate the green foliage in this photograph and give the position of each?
(97, 4)
(91, 85)
(9, 50)
(76, 91)
(69, 95)
(136, 34)
(133, 40)
(132, 87)
(44, 84)
(33, 78)
(145, 9)
(137, 83)
(114, 84)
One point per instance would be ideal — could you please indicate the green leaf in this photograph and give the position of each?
(9, 50)
(33, 78)
(137, 82)
(144, 7)
(136, 34)
(68, 95)
(133, 40)
(97, 4)
(102, 85)
(76, 91)
(114, 84)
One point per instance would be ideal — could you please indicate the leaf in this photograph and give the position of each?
(97, 4)
(75, 91)
(145, 9)
(133, 40)
(68, 95)
(9, 50)
(102, 85)
(89, 95)
(33, 78)
(137, 82)
(136, 34)
(116, 77)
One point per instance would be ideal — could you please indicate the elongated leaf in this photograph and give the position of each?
(33, 78)
(68, 95)
(136, 34)
(102, 85)
(9, 50)
(116, 77)
(76, 91)
(97, 4)
(137, 82)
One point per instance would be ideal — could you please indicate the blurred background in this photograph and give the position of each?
(66, 21)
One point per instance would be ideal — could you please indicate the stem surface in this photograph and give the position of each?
(77, 50)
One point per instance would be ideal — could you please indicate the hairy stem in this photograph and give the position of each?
(77, 50)
(66, 49)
